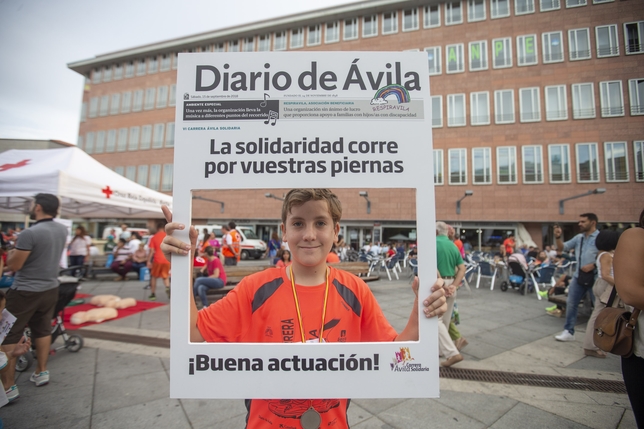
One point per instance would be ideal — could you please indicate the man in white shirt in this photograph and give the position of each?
(135, 240)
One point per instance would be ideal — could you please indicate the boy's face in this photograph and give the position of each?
(310, 233)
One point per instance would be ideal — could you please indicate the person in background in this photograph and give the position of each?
(139, 258)
(157, 262)
(122, 260)
(228, 248)
(135, 240)
(273, 247)
(79, 247)
(125, 234)
(606, 243)
(629, 282)
(284, 258)
(509, 244)
(332, 257)
(110, 245)
(214, 276)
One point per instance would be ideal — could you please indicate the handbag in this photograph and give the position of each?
(614, 327)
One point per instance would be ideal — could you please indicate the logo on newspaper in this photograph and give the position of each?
(403, 362)
(390, 92)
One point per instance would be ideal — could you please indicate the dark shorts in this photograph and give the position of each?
(35, 309)
(230, 261)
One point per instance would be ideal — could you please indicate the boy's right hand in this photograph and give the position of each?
(172, 245)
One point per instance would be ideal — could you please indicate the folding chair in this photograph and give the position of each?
(486, 269)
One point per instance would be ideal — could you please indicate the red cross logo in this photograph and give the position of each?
(6, 167)
(107, 191)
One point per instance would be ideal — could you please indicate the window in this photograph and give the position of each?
(616, 161)
(454, 58)
(633, 34)
(504, 106)
(107, 74)
(83, 117)
(575, 3)
(155, 176)
(173, 95)
(115, 104)
(453, 13)
(279, 43)
(119, 170)
(248, 46)
(390, 22)
(499, 8)
(264, 43)
(146, 137)
(410, 19)
(546, 5)
(169, 134)
(140, 67)
(129, 69)
(638, 152)
(79, 142)
(434, 60)
(556, 105)
(233, 46)
(89, 143)
(219, 47)
(297, 38)
(636, 92)
(502, 53)
(121, 145)
(612, 101)
(135, 133)
(481, 166)
(437, 111)
(530, 105)
(142, 175)
(431, 16)
(438, 167)
(118, 72)
(579, 44)
(456, 110)
(370, 26)
(162, 97)
(350, 29)
(111, 141)
(480, 108)
(126, 102)
(93, 107)
(527, 50)
(153, 65)
(166, 62)
(506, 165)
(105, 103)
(157, 138)
(314, 35)
(559, 163)
(137, 101)
(587, 162)
(583, 101)
(475, 10)
(97, 75)
(332, 32)
(552, 47)
(532, 164)
(478, 55)
(149, 98)
(457, 165)
(166, 184)
(521, 7)
(130, 172)
(606, 37)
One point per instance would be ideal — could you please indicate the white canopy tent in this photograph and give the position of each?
(87, 188)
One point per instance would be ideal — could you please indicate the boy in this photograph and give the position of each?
(303, 292)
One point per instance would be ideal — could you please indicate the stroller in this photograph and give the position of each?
(518, 278)
(74, 342)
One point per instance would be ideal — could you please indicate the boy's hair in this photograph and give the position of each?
(49, 203)
(210, 251)
(297, 197)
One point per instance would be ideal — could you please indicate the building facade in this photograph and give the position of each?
(534, 102)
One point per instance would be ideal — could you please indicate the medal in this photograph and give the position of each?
(310, 419)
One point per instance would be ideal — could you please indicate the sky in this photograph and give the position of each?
(40, 98)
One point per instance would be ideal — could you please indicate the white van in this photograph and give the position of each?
(251, 245)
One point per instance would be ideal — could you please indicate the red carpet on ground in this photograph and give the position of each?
(139, 307)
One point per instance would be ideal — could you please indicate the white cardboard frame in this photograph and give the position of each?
(373, 111)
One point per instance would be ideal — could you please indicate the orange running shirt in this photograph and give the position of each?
(155, 244)
(262, 309)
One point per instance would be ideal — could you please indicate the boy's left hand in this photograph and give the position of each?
(22, 347)
(435, 304)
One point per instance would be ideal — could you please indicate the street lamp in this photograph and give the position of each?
(195, 197)
(269, 195)
(458, 202)
(594, 191)
(365, 194)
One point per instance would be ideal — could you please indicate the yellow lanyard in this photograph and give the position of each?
(297, 304)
